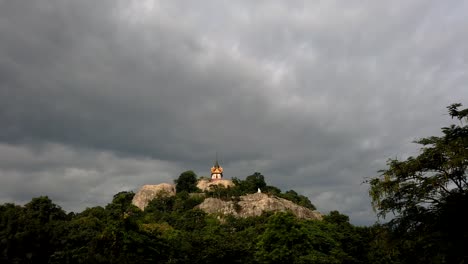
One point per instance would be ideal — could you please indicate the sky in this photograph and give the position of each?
(98, 97)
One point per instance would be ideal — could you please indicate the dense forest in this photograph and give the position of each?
(424, 196)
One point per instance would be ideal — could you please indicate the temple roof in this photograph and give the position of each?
(216, 168)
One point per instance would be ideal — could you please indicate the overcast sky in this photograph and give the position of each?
(98, 97)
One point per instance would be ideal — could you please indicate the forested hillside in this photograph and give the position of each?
(171, 231)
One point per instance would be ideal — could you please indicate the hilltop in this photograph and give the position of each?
(226, 197)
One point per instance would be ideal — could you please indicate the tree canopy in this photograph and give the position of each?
(426, 194)
(172, 230)
(187, 182)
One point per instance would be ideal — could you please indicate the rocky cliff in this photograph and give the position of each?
(254, 205)
(150, 192)
(246, 206)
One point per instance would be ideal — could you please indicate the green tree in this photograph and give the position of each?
(121, 205)
(337, 218)
(80, 238)
(290, 240)
(272, 190)
(353, 240)
(161, 204)
(33, 233)
(298, 199)
(250, 184)
(11, 247)
(187, 181)
(426, 193)
(381, 245)
(255, 181)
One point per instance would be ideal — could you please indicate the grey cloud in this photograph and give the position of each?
(75, 179)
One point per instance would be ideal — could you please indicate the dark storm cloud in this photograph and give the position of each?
(103, 84)
(110, 95)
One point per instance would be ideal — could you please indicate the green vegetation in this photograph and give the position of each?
(426, 195)
(168, 231)
(187, 182)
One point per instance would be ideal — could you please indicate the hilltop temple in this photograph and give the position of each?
(216, 171)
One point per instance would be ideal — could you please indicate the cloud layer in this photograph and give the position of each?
(98, 97)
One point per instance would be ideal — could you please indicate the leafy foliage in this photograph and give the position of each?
(170, 230)
(296, 198)
(426, 193)
(289, 240)
(252, 183)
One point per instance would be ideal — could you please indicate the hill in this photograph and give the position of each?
(237, 198)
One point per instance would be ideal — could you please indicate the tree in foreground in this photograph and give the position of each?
(287, 239)
(427, 195)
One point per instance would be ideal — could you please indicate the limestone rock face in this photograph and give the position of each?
(254, 205)
(206, 184)
(149, 192)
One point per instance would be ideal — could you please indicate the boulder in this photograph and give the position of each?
(150, 192)
(254, 205)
